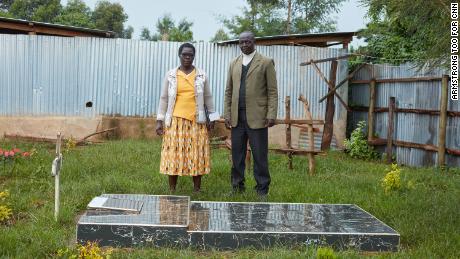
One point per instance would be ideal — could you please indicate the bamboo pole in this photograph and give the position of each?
(442, 122)
(370, 114)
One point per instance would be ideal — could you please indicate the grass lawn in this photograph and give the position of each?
(427, 216)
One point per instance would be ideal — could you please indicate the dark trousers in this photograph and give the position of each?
(258, 140)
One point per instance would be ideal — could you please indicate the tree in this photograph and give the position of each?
(272, 17)
(408, 29)
(35, 10)
(164, 27)
(145, 34)
(111, 17)
(5, 5)
(106, 16)
(48, 11)
(128, 32)
(75, 13)
(262, 18)
(167, 31)
(220, 35)
(182, 32)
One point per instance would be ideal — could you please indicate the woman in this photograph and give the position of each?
(182, 119)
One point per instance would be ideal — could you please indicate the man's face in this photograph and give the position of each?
(246, 43)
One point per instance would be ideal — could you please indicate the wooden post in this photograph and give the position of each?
(370, 114)
(288, 128)
(311, 137)
(391, 109)
(442, 122)
(330, 109)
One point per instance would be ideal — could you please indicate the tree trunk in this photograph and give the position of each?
(288, 26)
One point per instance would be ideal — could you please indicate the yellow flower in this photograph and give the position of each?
(5, 213)
(4, 195)
(392, 180)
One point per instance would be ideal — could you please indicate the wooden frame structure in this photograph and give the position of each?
(309, 122)
(392, 109)
(289, 150)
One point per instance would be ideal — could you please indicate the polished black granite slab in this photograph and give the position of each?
(162, 220)
(227, 225)
(146, 220)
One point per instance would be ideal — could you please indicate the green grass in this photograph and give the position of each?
(427, 217)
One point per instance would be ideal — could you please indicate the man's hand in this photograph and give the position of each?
(269, 123)
(159, 128)
(210, 126)
(228, 124)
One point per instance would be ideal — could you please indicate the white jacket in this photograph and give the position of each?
(203, 97)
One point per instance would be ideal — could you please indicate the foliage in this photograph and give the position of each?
(11, 157)
(106, 16)
(69, 144)
(128, 32)
(90, 250)
(131, 166)
(5, 211)
(271, 17)
(75, 13)
(325, 253)
(35, 10)
(220, 35)
(165, 26)
(5, 5)
(168, 31)
(5, 14)
(182, 32)
(357, 145)
(402, 30)
(109, 16)
(392, 180)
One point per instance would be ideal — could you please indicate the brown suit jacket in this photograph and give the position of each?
(261, 91)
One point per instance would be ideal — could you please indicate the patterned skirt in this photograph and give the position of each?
(185, 149)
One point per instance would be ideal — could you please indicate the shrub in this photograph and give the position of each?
(5, 211)
(357, 146)
(11, 157)
(392, 180)
(90, 250)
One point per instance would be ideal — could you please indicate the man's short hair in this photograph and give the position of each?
(248, 32)
(186, 45)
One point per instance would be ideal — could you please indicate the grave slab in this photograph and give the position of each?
(131, 220)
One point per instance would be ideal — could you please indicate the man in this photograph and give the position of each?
(251, 103)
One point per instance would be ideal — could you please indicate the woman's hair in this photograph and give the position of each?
(186, 45)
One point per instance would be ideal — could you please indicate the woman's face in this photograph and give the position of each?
(186, 57)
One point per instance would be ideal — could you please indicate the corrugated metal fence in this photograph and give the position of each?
(41, 75)
(409, 127)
